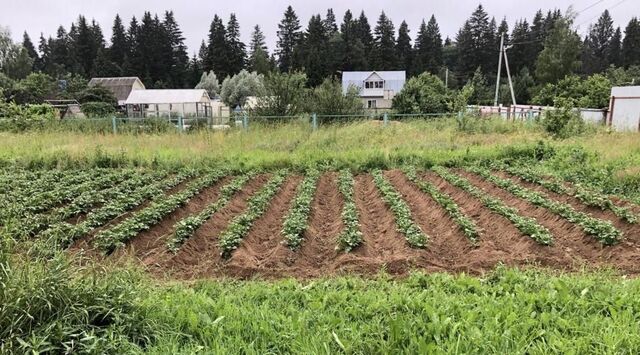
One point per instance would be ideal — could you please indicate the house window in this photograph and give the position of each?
(372, 104)
(374, 84)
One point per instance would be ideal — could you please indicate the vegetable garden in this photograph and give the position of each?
(220, 223)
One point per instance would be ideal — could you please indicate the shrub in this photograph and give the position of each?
(283, 95)
(236, 89)
(97, 93)
(563, 122)
(425, 93)
(328, 99)
(98, 109)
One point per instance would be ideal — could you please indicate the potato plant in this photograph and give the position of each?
(404, 221)
(110, 239)
(466, 224)
(528, 226)
(351, 236)
(187, 226)
(603, 231)
(240, 226)
(296, 221)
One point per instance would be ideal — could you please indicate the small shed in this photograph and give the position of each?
(186, 103)
(624, 108)
(121, 87)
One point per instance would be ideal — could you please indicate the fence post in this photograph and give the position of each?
(385, 119)
(180, 124)
(314, 121)
(245, 120)
(113, 124)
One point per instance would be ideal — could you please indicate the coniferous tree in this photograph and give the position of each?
(631, 43)
(428, 48)
(597, 45)
(194, 71)
(258, 52)
(119, 49)
(352, 51)
(561, 54)
(84, 49)
(520, 37)
(237, 49)
(384, 45)
(312, 51)
(132, 63)
(178, 58)
(404, 50)
(363, 30)
(330, 25)
(615, 49)
(218, 50)
(289, 36)
(31, 50)
(476, 44)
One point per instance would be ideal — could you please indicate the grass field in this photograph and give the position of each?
(359, 238)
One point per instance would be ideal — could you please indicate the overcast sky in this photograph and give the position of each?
(194, 17)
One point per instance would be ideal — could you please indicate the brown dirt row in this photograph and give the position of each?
(572, 248)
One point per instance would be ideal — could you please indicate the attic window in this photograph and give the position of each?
(374, 84)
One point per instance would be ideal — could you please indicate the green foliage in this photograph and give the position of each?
(351, 236)
(328, 99)
(590, 93)
(34, 89)
(604, 231)
(563, 121)
(425, 93)
(97, 93)
(98, 109)
(527, 226)
(239, 227)
(404, 221)
(295, 223)
(561, 54)
(466, 224)
(283, 95)
(236, 89)
(187, 226)
(209, 82)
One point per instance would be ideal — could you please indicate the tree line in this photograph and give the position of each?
(543, 51)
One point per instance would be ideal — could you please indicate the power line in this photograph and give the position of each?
(588, 7)
(611, 8)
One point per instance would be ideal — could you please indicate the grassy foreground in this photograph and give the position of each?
(51, 307)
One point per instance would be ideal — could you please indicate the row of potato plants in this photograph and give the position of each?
(295, 223)
(64, 193)
(33, 224)
(404, 221)
(185, 228)
(351, 236)
(585, 195)
(466, 224)
(239, 227)
(63, 233)
(35, 198)
(14, 182)
(526, 225)
(109, 240)
(603, 231)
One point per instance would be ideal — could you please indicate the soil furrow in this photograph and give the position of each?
(200, 255)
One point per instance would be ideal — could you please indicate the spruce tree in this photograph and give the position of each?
(520, 37)
(119, 45)
(384, 45)
(352, 51)
(133, 62)
(330, 25)
(289, 36)
(31, 50)
(313, 51)
(218, 50)
(561, 54)
(428, 48)
(476, 44)
(598, 44)
(631, 43)
(363, 30)
(404, 50)
(85, 49)
(177, 57)
(258, 52)
(237, 49)
(615, 49)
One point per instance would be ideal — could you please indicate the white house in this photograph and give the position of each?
(624, 108)
(169, 103)
(377, 88)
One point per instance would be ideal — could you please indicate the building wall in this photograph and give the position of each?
(381, 102)
(625, 108)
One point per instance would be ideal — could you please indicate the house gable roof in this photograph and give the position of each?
(121, 87)
(167, 96)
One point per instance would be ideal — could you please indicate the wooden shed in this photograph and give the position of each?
(121, 87)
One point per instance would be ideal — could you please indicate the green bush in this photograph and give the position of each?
(96, 109)
(425, 93)
(563, 122)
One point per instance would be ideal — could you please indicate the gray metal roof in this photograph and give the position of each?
(120, 87)
(394, 80)
(167, 96)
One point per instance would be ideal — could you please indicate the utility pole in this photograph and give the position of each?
(446, 77)
(506, 62)
(495, 100)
